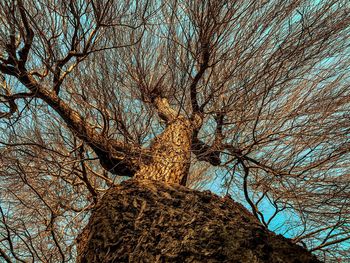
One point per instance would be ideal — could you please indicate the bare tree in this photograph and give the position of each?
(256, 92)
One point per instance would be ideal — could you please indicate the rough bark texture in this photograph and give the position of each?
(147, 221)
(171, 154)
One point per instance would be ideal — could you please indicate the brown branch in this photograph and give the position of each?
(28, 38)
(237, 153)
(12, 106)
(57, 79)
(254, 208)
(205, 152)
(310, 234)
(8, 236)
(11, 46)
(85, 178)
(54, 237)
(5, 256)
(116, 157)
(8, 69)
(202, 68)
(337, 241)
(9, 98)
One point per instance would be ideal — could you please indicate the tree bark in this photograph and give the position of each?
(149, 221)
(171, 153)
(171, 150)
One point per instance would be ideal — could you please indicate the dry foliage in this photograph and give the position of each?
(267, 81)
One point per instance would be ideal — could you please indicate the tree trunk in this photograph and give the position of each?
(149, 221)
(170, 160)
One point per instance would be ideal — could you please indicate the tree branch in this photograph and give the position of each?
(116, 157)
(85, 178)
(333, 242)
(13, 108)
(28, 38)
(164, 109)
(205, 152)
(5, 256)
(254, 208)
(8, 237)
(209, 153)
(9, 98)
(205, 52)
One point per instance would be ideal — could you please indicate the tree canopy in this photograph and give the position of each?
(88, 86)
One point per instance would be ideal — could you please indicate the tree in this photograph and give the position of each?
(93, 91)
